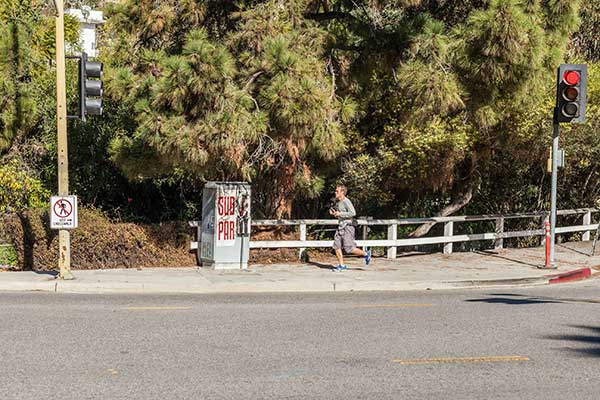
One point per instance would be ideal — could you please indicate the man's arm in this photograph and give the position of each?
(351, 211)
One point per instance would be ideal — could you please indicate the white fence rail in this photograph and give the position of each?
(448, 239)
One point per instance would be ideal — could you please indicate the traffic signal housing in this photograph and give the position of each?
(90, 90)
(571, 93)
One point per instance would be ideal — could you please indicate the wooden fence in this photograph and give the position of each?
(449, 237)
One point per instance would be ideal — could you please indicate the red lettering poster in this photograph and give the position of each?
(226, 218)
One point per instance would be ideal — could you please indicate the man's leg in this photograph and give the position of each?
(358, 252)
(338, 244)
(340, 256)
(349, 238)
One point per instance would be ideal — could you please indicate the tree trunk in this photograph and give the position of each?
(459, 202)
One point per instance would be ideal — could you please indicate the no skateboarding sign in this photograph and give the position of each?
(63, 212)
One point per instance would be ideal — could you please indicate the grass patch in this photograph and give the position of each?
(8, 255)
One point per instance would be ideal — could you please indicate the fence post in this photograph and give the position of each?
(365, 232)
(392, 234)
(499, 243)
(587, 220)
(302, 237)
(545, 219)
(448, 231)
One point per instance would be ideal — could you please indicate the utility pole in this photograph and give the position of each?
(64, 238)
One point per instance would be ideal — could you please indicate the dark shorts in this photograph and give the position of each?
(344, 239)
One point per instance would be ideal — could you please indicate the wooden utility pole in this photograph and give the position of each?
(64, 239)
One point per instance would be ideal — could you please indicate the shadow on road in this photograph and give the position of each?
(512, 298)
(505, 299)
(590, 336)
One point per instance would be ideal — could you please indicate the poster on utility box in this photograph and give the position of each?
(226, 218)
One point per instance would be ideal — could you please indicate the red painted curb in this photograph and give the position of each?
(569, 276)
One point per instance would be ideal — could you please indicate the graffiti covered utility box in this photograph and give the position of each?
(225, 230)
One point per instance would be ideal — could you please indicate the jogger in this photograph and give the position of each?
(344, 236)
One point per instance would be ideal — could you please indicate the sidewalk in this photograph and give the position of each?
(507, 267)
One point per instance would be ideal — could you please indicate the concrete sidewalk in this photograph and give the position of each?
(507, 267)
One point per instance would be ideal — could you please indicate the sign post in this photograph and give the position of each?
(64, 239)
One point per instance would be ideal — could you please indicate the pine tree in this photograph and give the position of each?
(439, 83)
(254, 103)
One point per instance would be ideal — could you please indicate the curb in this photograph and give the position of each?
(570, 276)
(563, 277)
(498, 282)
(94, 286)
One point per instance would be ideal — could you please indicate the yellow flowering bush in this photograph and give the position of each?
(19, 191)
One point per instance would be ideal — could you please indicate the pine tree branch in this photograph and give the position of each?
(328, 16)
(252, 79)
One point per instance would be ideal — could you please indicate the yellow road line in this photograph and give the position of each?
(484, 359)
(390, 305)
(157, 308)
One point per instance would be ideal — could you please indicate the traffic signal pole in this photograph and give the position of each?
(550, 263)
(571, 90)
(64, 239)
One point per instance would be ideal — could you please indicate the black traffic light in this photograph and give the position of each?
(90, 90)
(571, 92)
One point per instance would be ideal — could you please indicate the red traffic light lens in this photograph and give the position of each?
(571, 77)
(571, 93)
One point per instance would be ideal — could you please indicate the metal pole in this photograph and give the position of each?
(64, 242)
(554, 185)
(547, 227)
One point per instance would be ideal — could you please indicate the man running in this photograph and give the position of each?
(344, 236)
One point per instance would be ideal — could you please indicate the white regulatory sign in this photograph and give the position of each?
(63, 212)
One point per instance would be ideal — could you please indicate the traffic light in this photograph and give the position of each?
(90, 90)
(571, 93)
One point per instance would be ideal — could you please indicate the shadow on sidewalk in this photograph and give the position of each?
(574, 250)
(51, 273)
(321, 265)
(589, 336)
(490, 253)
(331, 266)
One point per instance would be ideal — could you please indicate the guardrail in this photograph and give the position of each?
(448, 239)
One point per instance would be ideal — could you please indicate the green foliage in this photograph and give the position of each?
(258, 105)
(409, 102)
(20, 191)
(8, 255)
(27, 88)
(586, 41)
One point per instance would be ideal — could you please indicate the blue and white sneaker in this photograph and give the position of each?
(367, 257)
(339, 268)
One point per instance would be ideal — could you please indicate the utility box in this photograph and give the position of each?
(225, 229)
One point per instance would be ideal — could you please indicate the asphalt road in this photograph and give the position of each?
(533, 343)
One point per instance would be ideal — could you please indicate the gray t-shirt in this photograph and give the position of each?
(347, 211)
